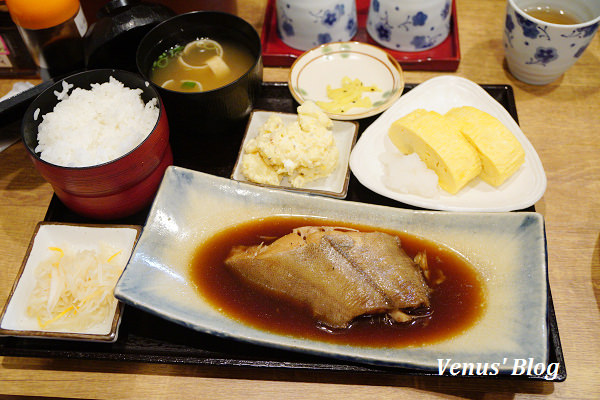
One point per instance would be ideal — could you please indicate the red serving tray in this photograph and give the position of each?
(444, 57)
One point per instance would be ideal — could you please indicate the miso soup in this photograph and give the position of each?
(201, 65)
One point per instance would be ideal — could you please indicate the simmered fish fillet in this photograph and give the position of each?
(339, 273)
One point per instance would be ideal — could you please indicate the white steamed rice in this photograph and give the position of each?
(91, 127)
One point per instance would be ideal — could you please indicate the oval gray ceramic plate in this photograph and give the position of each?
(507, 249)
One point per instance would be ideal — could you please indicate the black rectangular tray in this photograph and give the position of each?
(147, 338)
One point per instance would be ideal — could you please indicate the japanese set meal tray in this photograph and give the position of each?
(144, 337)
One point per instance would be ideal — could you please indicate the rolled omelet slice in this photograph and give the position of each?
(500, 152)
(440, 145)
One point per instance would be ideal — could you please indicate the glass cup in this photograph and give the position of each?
(409, 25)
(304, 24)
(538, 51)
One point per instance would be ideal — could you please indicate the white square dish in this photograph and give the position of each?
(334, 185)
(15, 321)
(508, 250)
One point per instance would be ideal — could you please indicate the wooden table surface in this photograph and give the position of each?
(560, 119)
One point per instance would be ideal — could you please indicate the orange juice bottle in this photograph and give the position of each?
(53, 31)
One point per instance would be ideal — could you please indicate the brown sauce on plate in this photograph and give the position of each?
(457, 302)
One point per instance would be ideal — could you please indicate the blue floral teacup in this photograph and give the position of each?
(409, 25)
(539, 52)
(304, 24)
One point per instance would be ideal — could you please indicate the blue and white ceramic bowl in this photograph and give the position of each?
(409, 25)
(539, 52)
(304, 24)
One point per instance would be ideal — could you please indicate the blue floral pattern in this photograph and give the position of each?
(415, 30)
(351, 25)
(324, 38)
(419, 18)
(543, 55)
(384, 29)
(583, 32)
(531, 29)
(286, 25)
(375, 5)
(445, 11)
(332, 21)
(580, 51)
(330, 18)
(509, 26)
(422, 42)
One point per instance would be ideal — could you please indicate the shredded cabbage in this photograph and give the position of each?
(74, 289)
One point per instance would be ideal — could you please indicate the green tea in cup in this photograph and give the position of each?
(543, 38)
(551, 14)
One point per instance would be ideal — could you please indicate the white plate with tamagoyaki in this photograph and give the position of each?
(521, 190)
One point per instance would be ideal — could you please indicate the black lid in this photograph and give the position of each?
(112, 41)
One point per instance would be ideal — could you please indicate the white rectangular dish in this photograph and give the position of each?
(334, 185)
(15, 321)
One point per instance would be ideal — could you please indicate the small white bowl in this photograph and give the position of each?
(329, 63)
(334, 185)
(14, 320)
